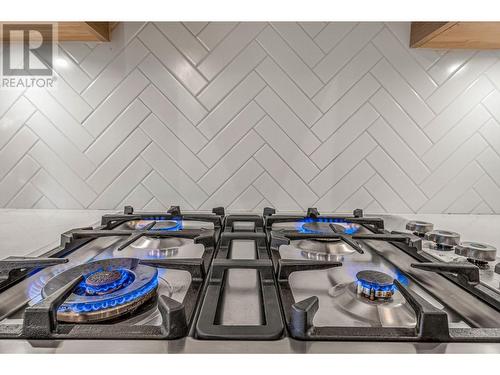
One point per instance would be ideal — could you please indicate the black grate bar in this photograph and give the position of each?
(40, 320)
(466, 273)
(135, 236)
(13, 263)
(192, 265)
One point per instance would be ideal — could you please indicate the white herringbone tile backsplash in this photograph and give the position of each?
(246, 115)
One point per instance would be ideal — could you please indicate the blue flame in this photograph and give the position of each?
(349, 228)
(126, 278)
(159, 219)
(401, 277)
(113, 301)
(376, 287)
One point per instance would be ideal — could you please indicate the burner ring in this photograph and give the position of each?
(105, 282)
(161, 225)
(375, 285)
(322, 227)
(317, 227)
(83, 307)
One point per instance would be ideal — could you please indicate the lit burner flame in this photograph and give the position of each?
(159, 227)
(115, 298)
(349, 228)
(375, 285)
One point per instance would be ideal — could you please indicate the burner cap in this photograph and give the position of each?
(419, 227)
(476, 251)
(101, 278)
(375, 285)
(104, 282)
(443, 238)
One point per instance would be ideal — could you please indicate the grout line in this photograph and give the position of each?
(216, 45)
(270, 24)
(227, 179)
(327, 53)
(371, 164)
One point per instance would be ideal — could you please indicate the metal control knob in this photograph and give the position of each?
(419, 227)
(476, 251)
(443, 238)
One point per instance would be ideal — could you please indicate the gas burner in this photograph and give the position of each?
(329, 249)
(375, 285)
(444, 240)
(477, 253)
(315, 227)
(322, 227)
(160, 224)
(419, 228)
(153, 247)
(110, 288)
(390, 312)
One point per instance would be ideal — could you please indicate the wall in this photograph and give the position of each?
(290, 115)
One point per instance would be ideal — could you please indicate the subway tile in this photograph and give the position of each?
(173, 118)
(285, 147)
(231, 162)
(300, 42)
(61, 145)
(234, 131)
(347, 77)
(60, 118)
(288, 121)
(184, 40)
(172, 89)
(404, 63)
(346, 107)
(115, 103)
(407, 98)
(220, 116)
(447, 119)
(231, 75)
(176, 63)
(231, 46)
(344, 136)
(114, 73)
(346, 49)
(284, 56)
(170, 144)
(399, 151)
(457, 83)
(289, 92)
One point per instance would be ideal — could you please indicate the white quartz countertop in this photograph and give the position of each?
(33, 232)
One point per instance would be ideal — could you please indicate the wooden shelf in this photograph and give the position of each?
(80, 31)
(455, 35)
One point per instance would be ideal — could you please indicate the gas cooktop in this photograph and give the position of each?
(212, 282)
